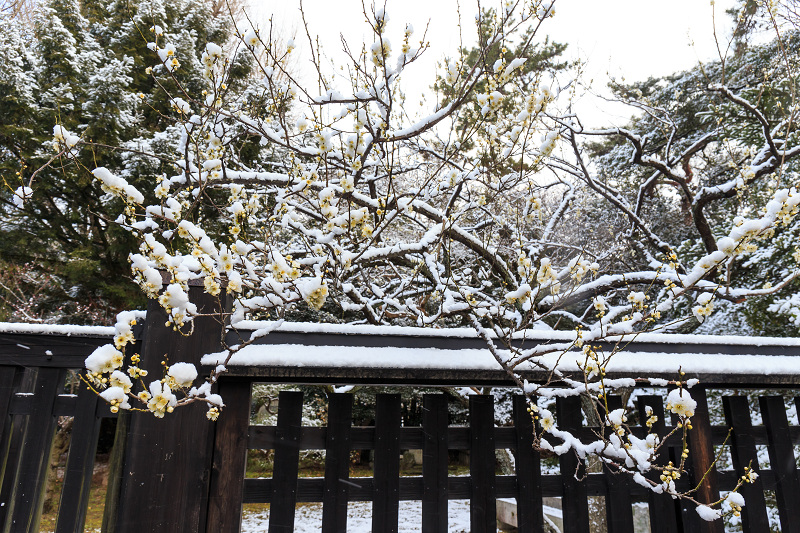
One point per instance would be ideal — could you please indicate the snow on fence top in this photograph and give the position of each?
(388, 354)
(334, 353)
(624, 362)
(57, 329)
(533, 334)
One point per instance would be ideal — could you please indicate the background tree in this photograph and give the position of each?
(695, 135)
(79, 64)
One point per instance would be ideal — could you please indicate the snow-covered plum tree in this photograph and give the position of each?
(473, 213)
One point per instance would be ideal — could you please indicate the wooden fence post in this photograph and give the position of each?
(701, 455)
(167, 462)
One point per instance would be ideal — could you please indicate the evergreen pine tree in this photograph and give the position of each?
(82, 65)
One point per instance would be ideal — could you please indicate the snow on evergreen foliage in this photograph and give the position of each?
(72, 65)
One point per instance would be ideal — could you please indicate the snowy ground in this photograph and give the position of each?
(308, 518)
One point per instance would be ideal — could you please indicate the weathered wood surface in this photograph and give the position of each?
(337, 463)
(229, 459)
(386, 503)
(167, 462)
(530, 518)
(483, 511)
(435, 483)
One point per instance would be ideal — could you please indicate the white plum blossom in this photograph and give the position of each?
(182, 106)
(104, 359)
(681, 403)
(117, 186)
(313, 290)
(250, 38)
(122, 381)
(117, 397)
(704, 307)
(21, 194)
(62, 136)
(184, 374)
(161, 399)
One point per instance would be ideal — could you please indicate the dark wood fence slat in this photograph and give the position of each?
(530, 517)
(229, 459)
(168, 461)
(434, 463)
(782, 460)
(619, 512)
(573, 469)
(337, 463)
(385, 507)
(483, 506)
(80, 464)
(287, 455)
(65, 405)
(743, 452)
(24, 380)
(664, 515)
(10, 377)
(29, 491)
(116, 469)
(701, 452)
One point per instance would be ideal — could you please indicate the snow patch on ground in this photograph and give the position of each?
(308, 518)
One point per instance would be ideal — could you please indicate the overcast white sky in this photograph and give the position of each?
(622, 38)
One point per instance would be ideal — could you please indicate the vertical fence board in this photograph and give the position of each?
(530, 516)
(24, 382)
(619, 512)
(287, 454)
(229, 461)
(10, 439)
(701, 452)
(434, 463)
(743, 452)
(483, 505)
(9, 375)
(573, 470)
(337, 463)
(168, 461)
(29, 492)
(80, 464)
(385, 505)
(782, 461)
(663, 511)
(116, 470)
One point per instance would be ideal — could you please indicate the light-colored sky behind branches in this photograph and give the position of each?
(630, 39)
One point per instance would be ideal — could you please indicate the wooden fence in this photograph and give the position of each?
(482, 487)
(184, 473)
